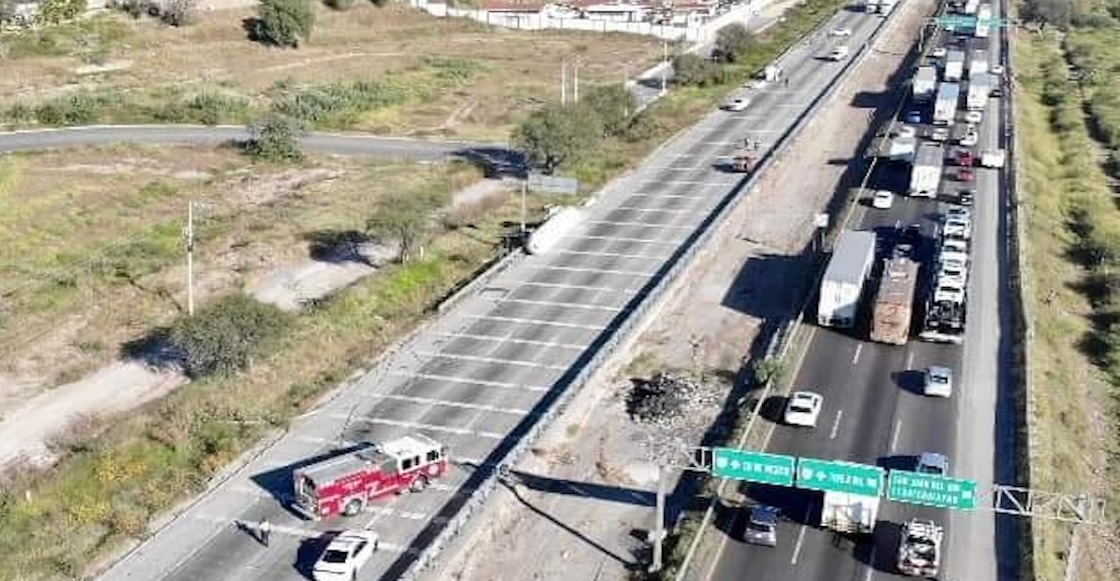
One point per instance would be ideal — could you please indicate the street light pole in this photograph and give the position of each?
(664, 65)
(524, 193)
(564, 81)
(190, 257)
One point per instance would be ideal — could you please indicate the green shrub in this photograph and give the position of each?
(276, 139)
(76, 109)
(226, 335)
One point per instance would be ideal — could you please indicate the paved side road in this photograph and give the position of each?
(338, 143)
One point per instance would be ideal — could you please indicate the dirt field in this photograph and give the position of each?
(95, 251)
(514, 71)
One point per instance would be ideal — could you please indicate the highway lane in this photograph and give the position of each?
(337, 143)
(882, 417)
(478, 377)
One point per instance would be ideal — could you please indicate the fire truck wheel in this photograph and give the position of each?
(353, 507)
(419, 484)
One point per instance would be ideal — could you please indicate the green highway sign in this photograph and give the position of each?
(931, 490)
(836, 476)
(753, 466)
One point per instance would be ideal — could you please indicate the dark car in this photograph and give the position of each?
(762, 526)
(966, 197)
(914, 117)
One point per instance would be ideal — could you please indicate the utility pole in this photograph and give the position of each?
(524, 211)
(664, 65)
(564, 81)
(658, 534)
(189, 234)
(575, 75)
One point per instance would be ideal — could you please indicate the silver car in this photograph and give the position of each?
(938, 381)
(762, 526)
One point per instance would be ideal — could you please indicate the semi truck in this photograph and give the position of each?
(945, 107)
(844, 278)
(554, 229)
(894, 303)
(345, 484)
(919, 548)
(925, 84)
(849, 513)
(979, 91)
(977, 64)
(954, 65)
(925, 176)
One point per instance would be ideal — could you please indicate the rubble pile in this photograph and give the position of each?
(665, 400)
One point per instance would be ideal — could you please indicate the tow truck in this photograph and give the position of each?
(919, 548)
(345, 484)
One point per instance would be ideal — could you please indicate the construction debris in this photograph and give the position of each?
(666, 400)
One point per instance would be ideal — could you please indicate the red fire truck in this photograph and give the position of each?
(345, 484)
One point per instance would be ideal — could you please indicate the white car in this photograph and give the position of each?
(971, 137)
(958, 212)
(938, 381)
(839, 53)
(940, 134)
(739, 104)
(957, 228)
(952, 274)
(949, 245)
(841, 32)
(948, 294)
(974, 117)
(907, 131)
(939, 52)
(346, 554)
(756, 84)
(996, 70)
(882, 200)
(803, 409)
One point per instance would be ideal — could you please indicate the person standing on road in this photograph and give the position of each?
(265, 529)
(786, 82)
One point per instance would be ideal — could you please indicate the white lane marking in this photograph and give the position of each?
(445, 403)
(855, 358)
(612, 254)
(497, 360)
(454, 379)
(701, 183)
(910, 361)
(643, 225)
(537, 322)
(591, 270)
(870, 568)
(797, 546)
(836, 425)
(433, 427)
(657, 195)
(565, 305)
(576, 287)
(894, 435)
(671, 210)
(511, 339)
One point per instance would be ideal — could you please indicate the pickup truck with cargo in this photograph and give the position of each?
(924, 86)
(849, 513)
(954, 66)
(979, 91)
(844, 278)
(977, 64)
(945, 107)
(919, 548)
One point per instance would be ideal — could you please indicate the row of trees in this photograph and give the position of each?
(564, 134)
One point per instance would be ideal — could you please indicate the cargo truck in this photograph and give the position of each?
(894, 303)
(970, 6)
(553, 230)
(979, 91)
(924, 86)
(849, 513)
(925, 176)
(954, 66)
(945, 107)
(977, 64)
(919, 548)
(843, 282)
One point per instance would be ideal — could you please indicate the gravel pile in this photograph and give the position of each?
(668, 401)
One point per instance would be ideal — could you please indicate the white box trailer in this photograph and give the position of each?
(849, 513)
(983, 21)
(844, 278)
(924, 86)
(979, 91)
(556, 227)
(977, 64)
(925, 176)
(954, 65)
(970, 6)
(945, 107)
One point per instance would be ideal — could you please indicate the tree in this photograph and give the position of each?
(405, 218)
(1054, 12)
(340, 4)
(7, 11)
(177, 12)
(733, 42)
(275, 139)
(690, 69)
(614, 104)
(56, 11)
(285, 22)
(557, 135)
(224, 336)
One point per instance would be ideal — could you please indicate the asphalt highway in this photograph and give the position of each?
(874, 414)
(478, 376)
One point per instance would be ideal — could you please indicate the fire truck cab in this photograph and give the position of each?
(346, 484)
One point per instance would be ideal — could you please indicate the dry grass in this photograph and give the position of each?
(94, 248)
(520, 69)
(1071, 426)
